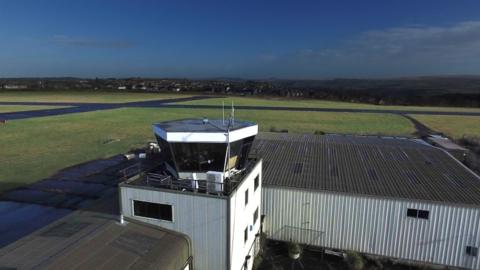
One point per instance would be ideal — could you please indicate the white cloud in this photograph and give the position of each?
(91, 42)
(462, 38)
(409, 50)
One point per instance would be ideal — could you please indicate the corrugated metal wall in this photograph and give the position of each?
(202, 218)
(373, 225)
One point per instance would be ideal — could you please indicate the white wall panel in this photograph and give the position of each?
(206, 225)
(241, 216)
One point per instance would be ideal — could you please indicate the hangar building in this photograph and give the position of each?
(398, 198)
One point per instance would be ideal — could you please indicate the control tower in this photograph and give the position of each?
(207, 187)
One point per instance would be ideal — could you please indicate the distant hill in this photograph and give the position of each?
(426, 90)
(431, 84)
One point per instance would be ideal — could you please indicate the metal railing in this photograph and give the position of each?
(161, 179)
(130, 171)
(193, 185)
(300, 235)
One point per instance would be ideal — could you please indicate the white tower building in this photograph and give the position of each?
(206, 188)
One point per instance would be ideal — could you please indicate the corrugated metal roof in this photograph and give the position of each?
(367, 165)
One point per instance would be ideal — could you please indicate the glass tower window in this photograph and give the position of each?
(199, 157)
(239, 151)
(203, 157)
(165, 151)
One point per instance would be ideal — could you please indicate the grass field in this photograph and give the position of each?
(120, 97)
(19, 108)
(312, 103)
(83, 96)
(453, 126)
(36, 148)
(33, 149)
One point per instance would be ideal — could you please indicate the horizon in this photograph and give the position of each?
(416, 77)
(251, 41)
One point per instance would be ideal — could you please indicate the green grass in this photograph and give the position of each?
(83, 96)
(19, 108)
(33, 149)
(313, 103)
(453, 126)
(346, 123)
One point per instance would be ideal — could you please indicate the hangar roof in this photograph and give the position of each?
(90, 240)
(376, 166)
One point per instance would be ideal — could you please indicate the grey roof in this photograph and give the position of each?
(445, 143)
(90, 240)
(199, 125)
(386, 167)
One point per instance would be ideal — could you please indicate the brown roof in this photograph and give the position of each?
(386, 167)
(90, 240)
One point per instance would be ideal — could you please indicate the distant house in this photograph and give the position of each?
(15, 86)
(139, 87)
(122, 88)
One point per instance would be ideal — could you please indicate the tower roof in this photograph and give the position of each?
(204, 130)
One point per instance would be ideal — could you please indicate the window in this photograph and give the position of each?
(415, 213)
(199, 157)
(423, 214)
(257, 181)
(245, 235)
(472, 251)
(239, 150)
(255, 216)
(152, 210)
(412, 212)
(246, 196)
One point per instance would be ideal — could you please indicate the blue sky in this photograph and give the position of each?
(248, 39)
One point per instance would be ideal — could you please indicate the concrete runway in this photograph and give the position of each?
(169, 103)
(76, 107)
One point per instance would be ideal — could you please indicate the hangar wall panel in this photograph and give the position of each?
(373, 225)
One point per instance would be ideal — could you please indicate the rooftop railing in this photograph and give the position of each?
(193, 185)
(160, 179)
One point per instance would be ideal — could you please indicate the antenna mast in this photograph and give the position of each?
(223, 112)
(233, 114)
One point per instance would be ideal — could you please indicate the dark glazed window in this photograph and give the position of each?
(472, 251)
(239, 151)
(423, 214)
(152, 210)
(415, 213)
(199, 157)
(255, 216)
(412, 212)
(257, 181)
(246, 196)
(165, 152)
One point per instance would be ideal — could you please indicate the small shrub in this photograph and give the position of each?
(355, 260)
(471, 142)
(274, 129)
(294, 250)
